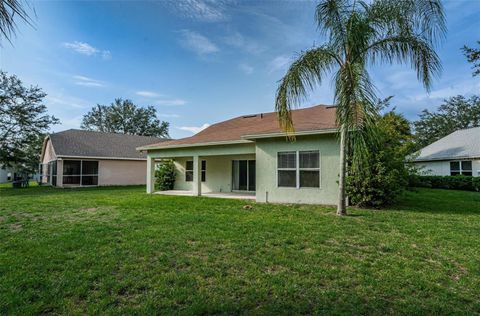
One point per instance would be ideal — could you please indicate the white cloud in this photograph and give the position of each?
(279, 63)
(463, 88)
(194, 129)
(168, 115)
(237, 40)
(197, 43)
(82, 48)
(88, 82)
(148, 94)
(246, 68)
(171, 102)
(201, 10)
(87, 49)
(66, 101)
(106, 55)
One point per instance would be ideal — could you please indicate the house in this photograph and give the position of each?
(85, 158)
(454, 154)
(251, 155)
(6, 174)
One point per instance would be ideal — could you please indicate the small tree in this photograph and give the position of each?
(473, 57)
(165, 175)
(386, 175)
(23, 123)
(455, 113)
(122, 116)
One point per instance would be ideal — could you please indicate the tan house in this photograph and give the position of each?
(85, 158)
(250, 156)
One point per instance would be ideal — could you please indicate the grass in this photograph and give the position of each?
(119, 251)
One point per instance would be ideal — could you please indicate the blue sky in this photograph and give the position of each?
(200, 61)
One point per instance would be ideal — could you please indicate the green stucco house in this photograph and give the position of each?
(251, 157)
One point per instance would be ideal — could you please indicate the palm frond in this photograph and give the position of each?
(302, 76)
(9, 11)
(407, 49)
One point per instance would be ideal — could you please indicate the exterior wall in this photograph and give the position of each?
(218, 173)
(266, 156)
(49, 154)
(442, 168)
(122, 172)
(4, 174)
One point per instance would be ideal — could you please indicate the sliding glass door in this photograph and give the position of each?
(243, 175)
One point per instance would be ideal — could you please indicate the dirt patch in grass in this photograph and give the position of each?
(14, 228)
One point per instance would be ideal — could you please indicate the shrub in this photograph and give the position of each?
(465, 183)
(383, 174)
(165, 175)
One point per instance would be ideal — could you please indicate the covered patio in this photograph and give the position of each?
(220, 195)
(221, 171)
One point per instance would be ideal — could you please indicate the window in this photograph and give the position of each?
(204, 170)
(80, 172)
(189, 171)
(287, 169)
(299, 169)
(461, 168)
(309, 169)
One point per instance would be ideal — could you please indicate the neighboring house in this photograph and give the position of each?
(85, 158)
(6, 174)
(454, 154)
(251, 154)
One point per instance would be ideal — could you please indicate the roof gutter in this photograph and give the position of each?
(98, 157)
(445, 158)
(283, 134)
(219, 143)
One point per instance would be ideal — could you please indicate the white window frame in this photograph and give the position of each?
(460, 169)
(297, 169)
(81, 175)
(187, 170)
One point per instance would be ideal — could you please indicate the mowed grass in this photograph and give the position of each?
(120, 251)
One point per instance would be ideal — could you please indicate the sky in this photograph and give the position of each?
(202, 61)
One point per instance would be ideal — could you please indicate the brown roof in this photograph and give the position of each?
(308, 119)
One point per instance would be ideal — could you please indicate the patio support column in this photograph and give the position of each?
(197, 169)
(150, 174)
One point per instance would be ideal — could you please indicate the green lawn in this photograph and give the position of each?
(120, 251)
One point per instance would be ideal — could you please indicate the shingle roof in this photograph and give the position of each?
(308, 119)
(80, 143)
(461, 144)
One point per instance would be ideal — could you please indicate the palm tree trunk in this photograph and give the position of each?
(341, 206)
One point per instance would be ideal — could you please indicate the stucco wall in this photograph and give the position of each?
(122, 172)
(442, 168)
(218, 173)
(49, 154)
(266, 156)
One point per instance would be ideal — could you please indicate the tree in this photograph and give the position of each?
(453, 114)
(23, 123)
(473, 56)
(9, 10)
(387, 174)
(361, 34)
(122, 116)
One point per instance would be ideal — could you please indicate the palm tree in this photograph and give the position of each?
(361, 34)
(9, 10)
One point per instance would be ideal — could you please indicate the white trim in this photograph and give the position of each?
(98, 158)
(297, 170)
(226, 142)
(445, 159)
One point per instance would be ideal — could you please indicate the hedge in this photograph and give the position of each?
(465, 183)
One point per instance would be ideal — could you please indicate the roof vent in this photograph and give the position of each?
(330, 106)
(250, 116)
